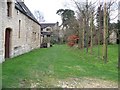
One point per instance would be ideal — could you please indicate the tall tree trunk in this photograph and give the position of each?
(99, 29)
(79, 33)
(119, 44)
(98, 42)
(91, 44)
(105, 36)
(119, 38)
(119, 48)
(83, 33)
(87, 25)
(80, 40)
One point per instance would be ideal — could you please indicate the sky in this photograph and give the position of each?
(48, 8)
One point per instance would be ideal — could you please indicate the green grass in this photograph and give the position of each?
(44, 66)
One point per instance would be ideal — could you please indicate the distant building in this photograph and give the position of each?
(19, 30)
(113, 37)
(49, 33)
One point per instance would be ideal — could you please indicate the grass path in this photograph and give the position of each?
(58, 66)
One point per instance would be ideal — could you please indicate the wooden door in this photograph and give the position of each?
(7, 43)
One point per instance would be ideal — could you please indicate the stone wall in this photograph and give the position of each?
(1, 34)
(29, 32)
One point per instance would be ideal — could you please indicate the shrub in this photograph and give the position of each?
(72, 40)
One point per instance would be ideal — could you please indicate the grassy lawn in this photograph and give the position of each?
(45, 66)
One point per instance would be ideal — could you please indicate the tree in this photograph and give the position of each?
(84, 12)
(119, 43)
(105, 34)
(39, 16)
(107, 11)
(91, 25)
(100, 17)
(100, 24)
(66, 15)
(68, 21)
(72, 40)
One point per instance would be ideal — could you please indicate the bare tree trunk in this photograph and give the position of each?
(119, 38)
(91, 44)
(119, 44)
(105, 36)
(80, 40)
(119, 49)
(83, 33)
(98, 42)
(87, 26)
(99, 29)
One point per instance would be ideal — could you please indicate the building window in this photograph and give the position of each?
(48, 29)
(9, 9)
(19, 28)
(41, 29)
(34, 34)
(17, 12)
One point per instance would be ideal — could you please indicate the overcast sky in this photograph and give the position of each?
(49, 7)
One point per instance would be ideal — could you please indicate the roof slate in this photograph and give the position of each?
(44, 25)
(19, 5)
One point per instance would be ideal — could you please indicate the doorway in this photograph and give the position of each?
(7, 42)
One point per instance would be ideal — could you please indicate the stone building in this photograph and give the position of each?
(113, 37)
(19, 30)
(49, 33)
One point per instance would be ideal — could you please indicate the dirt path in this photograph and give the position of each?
(86, 83)
(74, 83)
